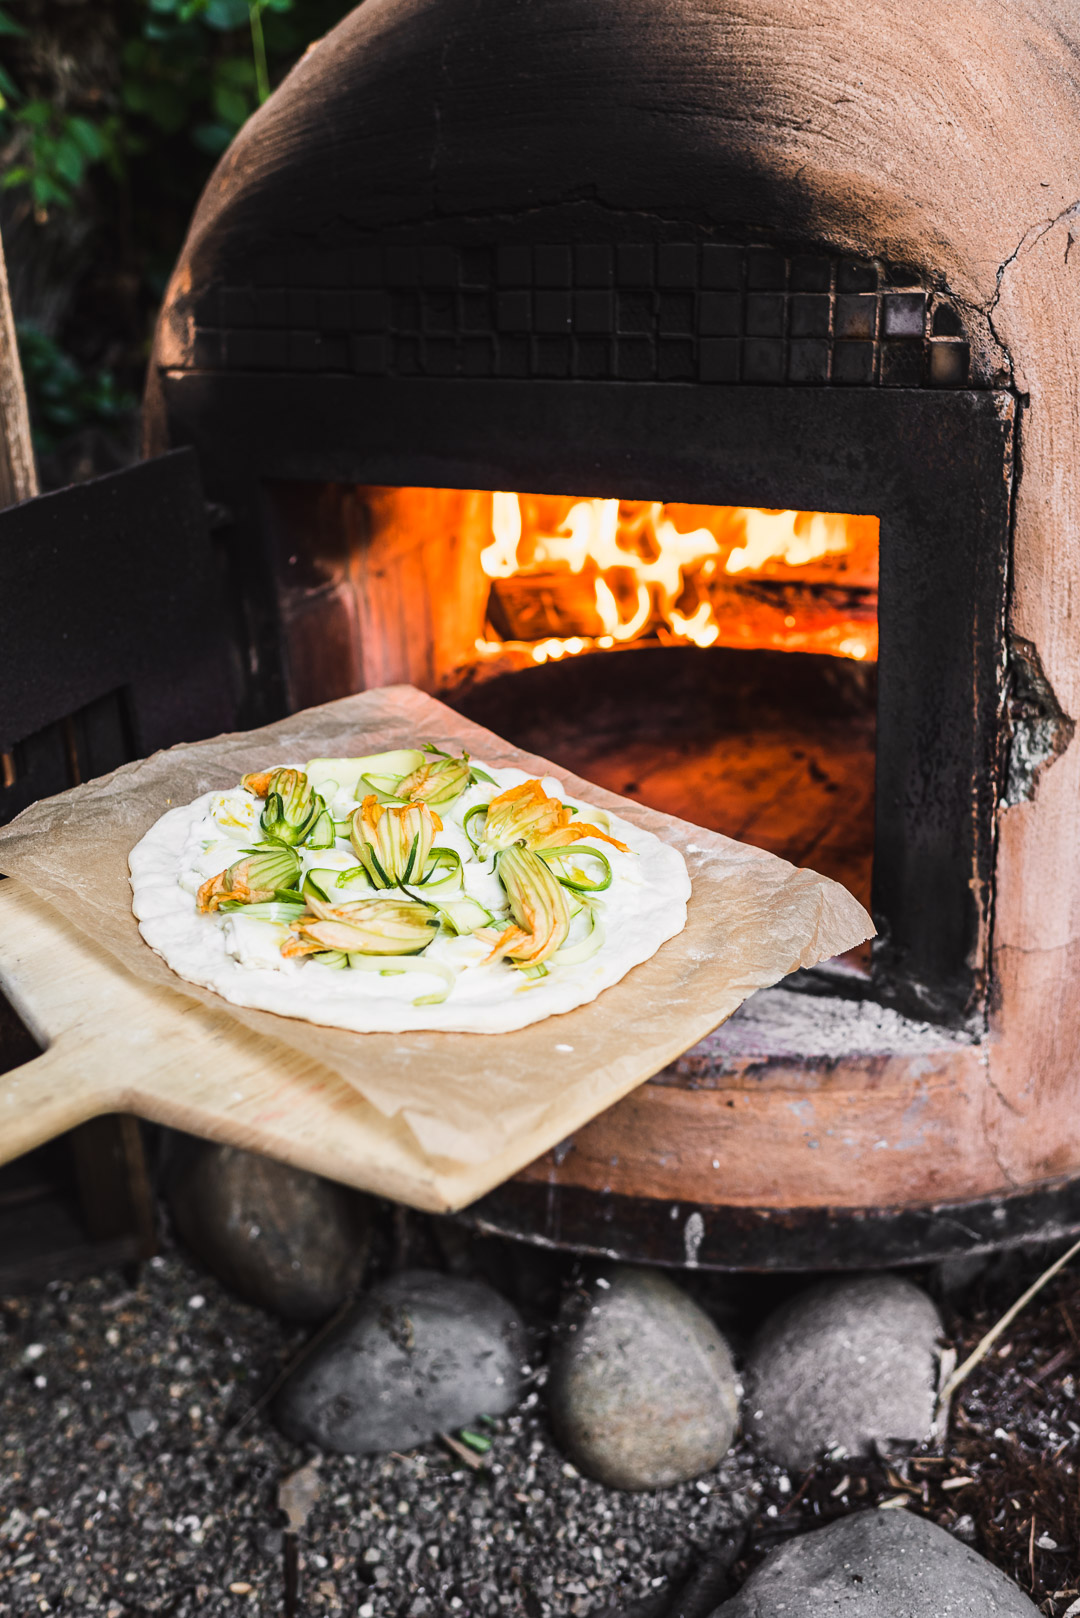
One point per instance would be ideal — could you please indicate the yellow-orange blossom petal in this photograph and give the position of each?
(527, 814)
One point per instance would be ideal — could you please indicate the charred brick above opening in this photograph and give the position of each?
(692, 311)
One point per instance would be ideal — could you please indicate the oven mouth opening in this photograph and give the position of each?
(714, 662)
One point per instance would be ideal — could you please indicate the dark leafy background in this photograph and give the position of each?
(112, 115)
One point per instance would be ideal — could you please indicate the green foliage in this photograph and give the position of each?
(175, 89)
(58, 149)
(200, 67)
(175, 52)
(66, 397)
(126, 154)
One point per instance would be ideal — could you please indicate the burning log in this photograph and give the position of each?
(778, 613)
(532, 606)
(608, 572)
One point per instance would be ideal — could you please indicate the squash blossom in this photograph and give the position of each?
(527, 816)
(385, 926)
(292, 810)
(437, 782)
(253, 880)
(538, 905)
(393, 843)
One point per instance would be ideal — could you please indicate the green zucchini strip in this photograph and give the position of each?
(574, 954)
(477, 809)
(277, 910)
(572, 876)
(322, 833)
(439, 858)
(383, 787)
(463, 916)
(353, 873)
(335, 959)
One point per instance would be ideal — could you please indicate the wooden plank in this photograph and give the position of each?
(18, 469)
(114, 1183)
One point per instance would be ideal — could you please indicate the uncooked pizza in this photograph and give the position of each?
(409, 890)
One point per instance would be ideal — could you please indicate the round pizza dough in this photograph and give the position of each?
(238, 958)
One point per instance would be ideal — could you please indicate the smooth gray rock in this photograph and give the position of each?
(845, 1364)
(877, 1564)
(421, 1354)
(642, 1388)
(286, 1240)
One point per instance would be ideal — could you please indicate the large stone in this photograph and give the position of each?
(877, 1564)
(421, 1354)
(642, 1388)
(848, 1365)
(287, 1240)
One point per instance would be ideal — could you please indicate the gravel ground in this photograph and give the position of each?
(124, 1489)
(131, 1482)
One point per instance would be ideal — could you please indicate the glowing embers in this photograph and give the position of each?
(569, 576)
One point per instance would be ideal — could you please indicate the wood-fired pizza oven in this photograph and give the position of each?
(686, 391)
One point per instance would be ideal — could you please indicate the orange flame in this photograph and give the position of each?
(617, 571)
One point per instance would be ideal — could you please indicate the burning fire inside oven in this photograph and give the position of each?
(581, 575)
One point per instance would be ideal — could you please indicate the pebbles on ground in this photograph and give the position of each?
(94, 1520)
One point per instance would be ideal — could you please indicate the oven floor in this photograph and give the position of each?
(772, 748)
(807, 798)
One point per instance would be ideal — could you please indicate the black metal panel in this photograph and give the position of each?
(935, 467)
(642, 1230)
(106, 587)
(91, 741)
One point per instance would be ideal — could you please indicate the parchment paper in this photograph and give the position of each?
(752, 918)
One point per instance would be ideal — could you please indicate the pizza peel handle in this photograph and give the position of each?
(52, 1072)
(39, 1101)
(112, 1043)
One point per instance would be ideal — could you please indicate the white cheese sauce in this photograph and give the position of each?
(238, 957)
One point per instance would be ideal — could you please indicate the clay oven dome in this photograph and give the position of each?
(868, 127)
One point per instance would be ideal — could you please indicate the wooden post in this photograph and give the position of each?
(18, 471)
(109, 1161)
